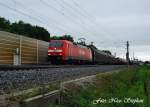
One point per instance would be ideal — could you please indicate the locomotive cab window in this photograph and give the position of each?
(56, 44)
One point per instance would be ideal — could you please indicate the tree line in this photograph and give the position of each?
(25, 29)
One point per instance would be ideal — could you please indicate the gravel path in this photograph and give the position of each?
(23, 79)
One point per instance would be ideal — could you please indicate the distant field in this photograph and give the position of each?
(127, 88)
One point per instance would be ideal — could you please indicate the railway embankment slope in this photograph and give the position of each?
(123, 88)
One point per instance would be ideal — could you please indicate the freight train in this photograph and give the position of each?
(67, 52)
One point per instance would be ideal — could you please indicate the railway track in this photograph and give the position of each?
(28, 67)
(23, 78)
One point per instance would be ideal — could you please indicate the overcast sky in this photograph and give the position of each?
(108, 23)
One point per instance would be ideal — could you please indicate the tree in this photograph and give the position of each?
(25, 29)
(18, 28)
(67, 37)
(147, 62)
(64, 37)
(4, 24)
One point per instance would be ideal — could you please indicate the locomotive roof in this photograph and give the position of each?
(73, 43)
(103, 53)
(82, 46)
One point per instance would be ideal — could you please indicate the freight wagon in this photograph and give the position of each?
(100, 57)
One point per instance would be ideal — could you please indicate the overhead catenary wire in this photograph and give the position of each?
(57, 10)
(82, 13)
(30, 16)
(70, 17)
(40, 16)
(20, 12)
(76, 14)
(91, 19)
(64, 14)
(92, 25)
(79, 12)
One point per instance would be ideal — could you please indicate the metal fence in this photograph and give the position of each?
(17, 49)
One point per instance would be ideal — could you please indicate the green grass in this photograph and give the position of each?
(20, 96)
(130, 83)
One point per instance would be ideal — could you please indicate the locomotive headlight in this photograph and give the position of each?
(50, 50)
(54, 50)
(58, 50)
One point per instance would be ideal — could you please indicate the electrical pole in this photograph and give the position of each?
(127, 54)
(133, 56)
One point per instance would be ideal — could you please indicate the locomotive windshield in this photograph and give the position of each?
(56, 44)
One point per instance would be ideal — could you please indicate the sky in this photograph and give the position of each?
(107, 23)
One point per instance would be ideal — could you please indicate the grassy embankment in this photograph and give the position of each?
(130, 83)
(37, 90)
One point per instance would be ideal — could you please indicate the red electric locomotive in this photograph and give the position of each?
(64, 51)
